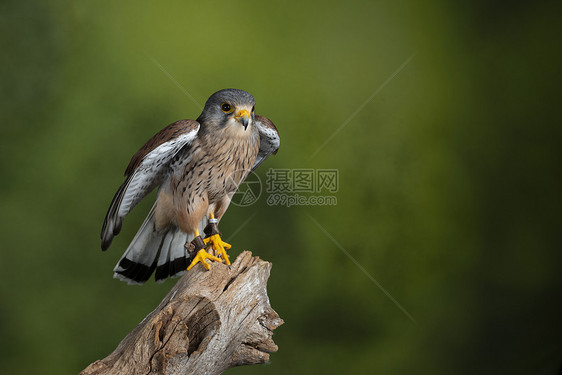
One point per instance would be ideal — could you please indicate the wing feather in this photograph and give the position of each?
(269, 139)
(148, 169)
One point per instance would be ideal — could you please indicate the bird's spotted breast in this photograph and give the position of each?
(216, 168)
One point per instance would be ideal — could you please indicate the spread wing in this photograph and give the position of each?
(148, 169)
(269, 139)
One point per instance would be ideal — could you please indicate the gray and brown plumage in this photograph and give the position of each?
(197, 167)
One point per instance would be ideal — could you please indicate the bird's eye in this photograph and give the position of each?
(226, 107)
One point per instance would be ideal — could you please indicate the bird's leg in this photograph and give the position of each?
(213, 237)
(199, 248)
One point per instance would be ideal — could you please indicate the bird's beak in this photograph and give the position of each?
(244, 117)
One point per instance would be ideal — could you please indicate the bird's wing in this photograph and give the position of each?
(269, 139)
(147, 169)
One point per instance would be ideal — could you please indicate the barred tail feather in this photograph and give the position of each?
(152, 250)
(173, 259)
(161, 251)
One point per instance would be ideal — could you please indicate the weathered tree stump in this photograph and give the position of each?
(209, 321)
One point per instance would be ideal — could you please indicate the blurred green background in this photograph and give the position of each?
(449, 177)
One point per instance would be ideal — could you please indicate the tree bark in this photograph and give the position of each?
(209, 321)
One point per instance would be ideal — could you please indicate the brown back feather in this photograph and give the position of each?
(168, 133)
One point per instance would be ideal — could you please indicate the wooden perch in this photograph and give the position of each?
(209, 321)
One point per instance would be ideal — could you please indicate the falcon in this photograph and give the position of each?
(197, 167)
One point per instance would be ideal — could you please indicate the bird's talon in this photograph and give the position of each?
(200, 257)
(219, 246)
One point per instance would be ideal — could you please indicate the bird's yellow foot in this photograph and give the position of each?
(197, 247)
(200, 257)
(219, 246)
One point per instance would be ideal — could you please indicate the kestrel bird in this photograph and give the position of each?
(197, 167)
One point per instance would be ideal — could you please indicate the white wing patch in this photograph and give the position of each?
(152, 170)
(269, 143)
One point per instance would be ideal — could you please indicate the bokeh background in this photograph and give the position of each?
(448, 154)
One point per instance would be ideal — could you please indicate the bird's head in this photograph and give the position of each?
(230, 109)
